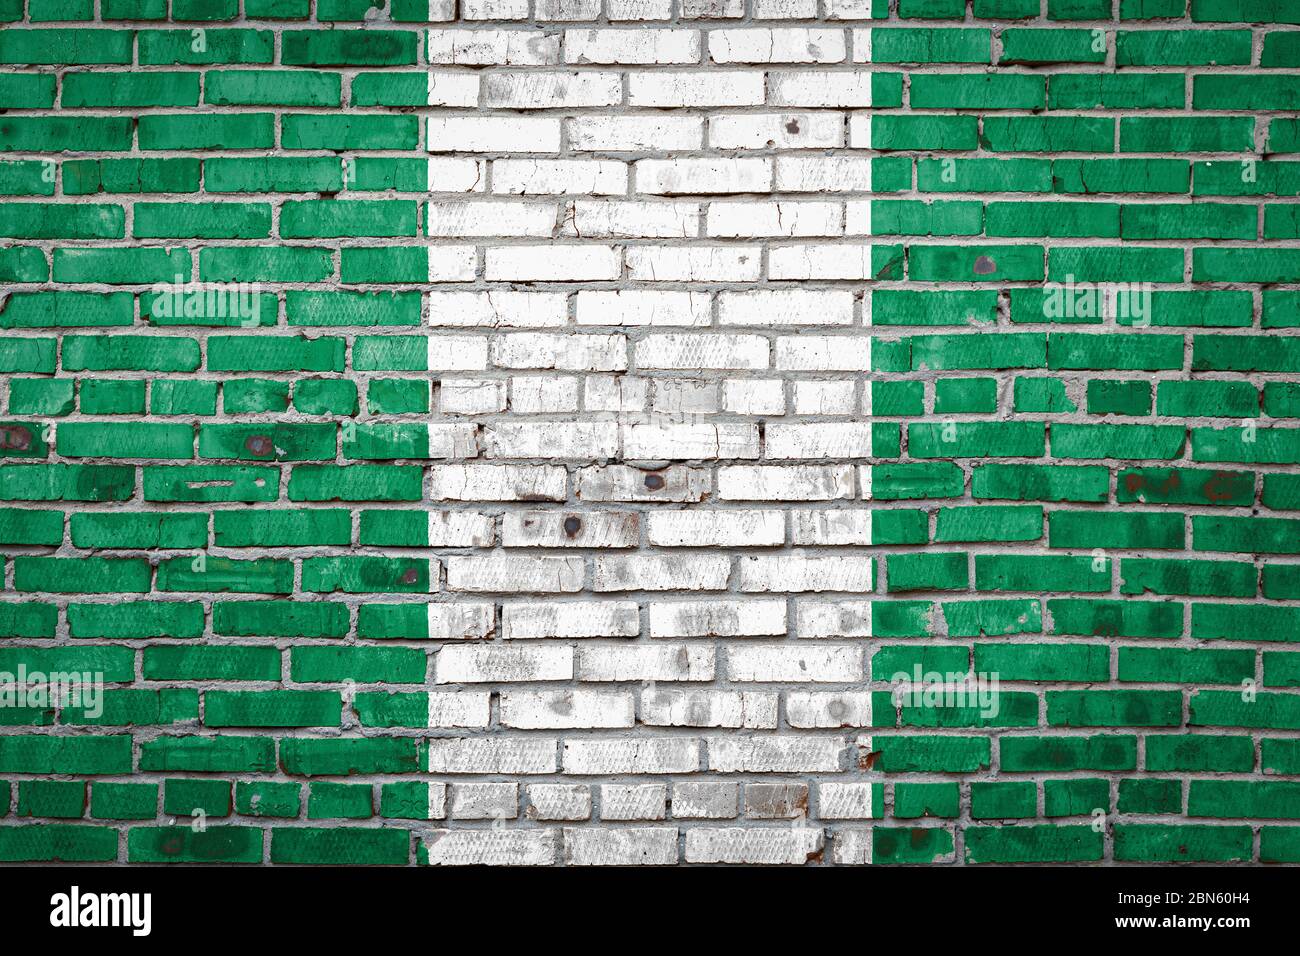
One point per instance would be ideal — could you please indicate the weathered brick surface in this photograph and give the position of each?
(607, 402)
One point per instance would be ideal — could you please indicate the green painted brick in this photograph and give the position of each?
(271, 708)
(1175, 665)
(350, 801)
(340, 845)
(1166, 753)
(279, 619)
(1044, 662)
(123, 801)
(208, 754)
(265, 798)
(1153, 842)
(58, 842)
(183, 844)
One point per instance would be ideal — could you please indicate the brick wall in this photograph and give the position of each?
(544, 432)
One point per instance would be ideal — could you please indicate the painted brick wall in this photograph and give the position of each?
(544, 432)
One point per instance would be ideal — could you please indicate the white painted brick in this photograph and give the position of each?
(493, 847)
(792, 440)
(845, 801)
(452, 263)
(634, 46)
(563, 709)
(461, 621)
(567, 9)
(570, 619)
(677, 483)
(614, 393)
(777, 130)
(488, 663)
(777, 45)
(785, 307)
(459, 709)
(689, 441)
(557, 529)
(851, 847)
(510, 47)
(588, 352)
(492, 755)
(822, 174)
(652, 572)
(452, 89)
(624, 846)
(446, 174)
(694, 263)
(514, 573)
(584, 177)
(483, 482)
(644, 307)
(701, 351)
(825, 398)
(493, 134)
(704, 801)
(830, 663)
(540, 394)
(750, 618)
(742, 396)
(785, 753)
(823, 353)
(476, 219)
(558, 801)
(761, 218)
(553, 263)
(710, 175)
(635, 133)
(819, 261)
(804, 572)
(666, 707)
(639, 9)
(484, 801)
(662, 662)
(576, 440)
(587, 756)
(472, 396)
(821, 710)
(821, 88)
(836, 527)
(754, 845)
(820, 619)
(494, 9)
(785, 483)
(635, 801)
(653, 219)
(703, 88)
(717, 529)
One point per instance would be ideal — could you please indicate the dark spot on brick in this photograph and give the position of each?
(985, 266)
(1133, 482)
(15, 436)
(572, 525)
(259, 444)
(410, 576)
(1220, 486)
(918, 836)
(792, 127)
(654, 482)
